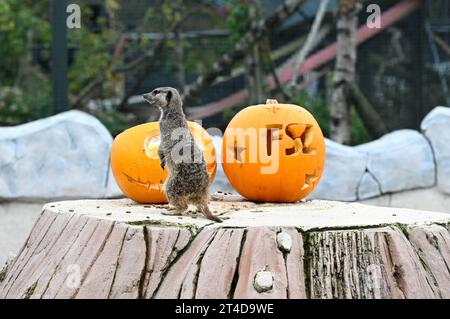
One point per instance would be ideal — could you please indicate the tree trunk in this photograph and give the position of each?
(311, 41)
(179, 61)
(253, 63)
(314, 249)
(344, 72)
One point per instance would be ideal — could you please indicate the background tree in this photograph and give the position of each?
(344, 71)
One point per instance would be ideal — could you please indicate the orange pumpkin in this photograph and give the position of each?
(273, 152)
(135, 161)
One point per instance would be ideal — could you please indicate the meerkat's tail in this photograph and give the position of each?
(205, 210)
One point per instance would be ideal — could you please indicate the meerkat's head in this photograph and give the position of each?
(164, 98)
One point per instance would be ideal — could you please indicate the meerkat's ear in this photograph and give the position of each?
(169, 97)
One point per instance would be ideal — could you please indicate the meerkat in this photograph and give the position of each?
(188, 180)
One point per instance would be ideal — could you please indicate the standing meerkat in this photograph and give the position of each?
(188, 181)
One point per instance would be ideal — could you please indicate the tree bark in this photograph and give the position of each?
(310, 42)
(344, 72)
(315, 249)
(253, 63)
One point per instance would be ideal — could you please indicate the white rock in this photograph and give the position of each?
(263, 281)
(284, 241)
(344, 168)
(112, 189)
(63, 156)
(436, 127)
(400, 161)
(368, 187)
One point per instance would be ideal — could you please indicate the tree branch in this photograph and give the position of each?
(309, 44)
(371, 119)
(225, 63)
(272, 68)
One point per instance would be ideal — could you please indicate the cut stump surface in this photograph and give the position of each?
(314, 249)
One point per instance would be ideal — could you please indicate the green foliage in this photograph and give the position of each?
(321, 112)
(21, 24)
(93, 54)
(238, 19)
(17, 107)
(113, 120)
(24, 90)
(317, 107)
(359, 133)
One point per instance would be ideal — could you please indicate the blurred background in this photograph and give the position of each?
(126, 48)
(72, 73)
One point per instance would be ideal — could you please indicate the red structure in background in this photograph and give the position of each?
(316, 60)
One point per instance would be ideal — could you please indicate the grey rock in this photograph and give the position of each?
(400, 161)
(436, 127)
(368, 187)
(63, 156)
(112, 189)
(344, 168)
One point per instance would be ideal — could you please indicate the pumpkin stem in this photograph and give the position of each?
(271, 101)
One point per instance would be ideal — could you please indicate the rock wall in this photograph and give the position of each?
(63, 156)
(67, 156)
(405, 168)
(398, 162)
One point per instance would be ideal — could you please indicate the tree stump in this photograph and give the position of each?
(313, 249)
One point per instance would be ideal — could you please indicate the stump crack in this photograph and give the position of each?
(97, 254)
(62, 258)
(141, 293)
(117, 265)
(235, 279)
(172, 261)
(31, 254)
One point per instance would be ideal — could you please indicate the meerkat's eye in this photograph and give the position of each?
(155, 92)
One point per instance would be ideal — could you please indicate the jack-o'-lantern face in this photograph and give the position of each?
(273, 152)
(135, 162)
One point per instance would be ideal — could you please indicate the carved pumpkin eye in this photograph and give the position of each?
(273, 152)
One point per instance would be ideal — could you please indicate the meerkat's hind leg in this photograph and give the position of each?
(176, 207)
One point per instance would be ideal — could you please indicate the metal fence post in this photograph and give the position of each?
(59, 56)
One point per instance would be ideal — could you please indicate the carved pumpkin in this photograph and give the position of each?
(135, 161)
(273, 152)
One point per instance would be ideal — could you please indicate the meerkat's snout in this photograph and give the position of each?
(147, 97)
